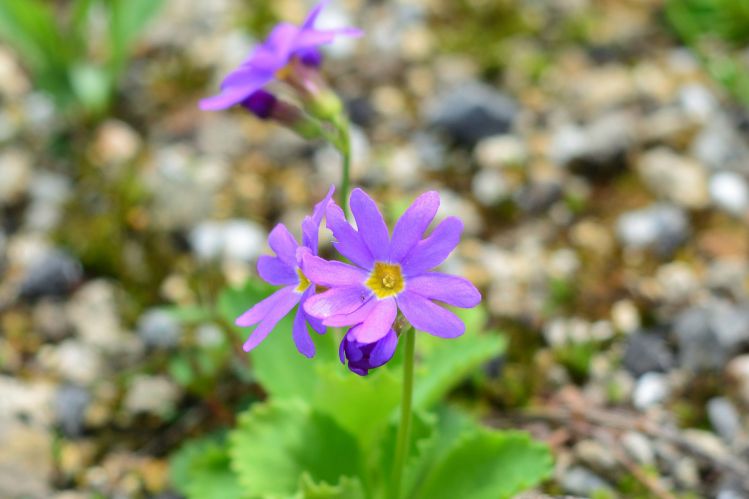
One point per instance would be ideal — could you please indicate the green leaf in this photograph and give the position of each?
(348, 488)
(447, 362)
(279, 367)
(486, 464)
(128, 18)
(276, 443)
(200, 470)
(362, 405)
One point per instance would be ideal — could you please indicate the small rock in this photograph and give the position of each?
(538, 197)
(116, 142)
(155, 395)
(678, 283)
(74, 361)
(48, 193)
(661, 227)
(595, 455)
(720, 146)
(707, 443)
(490, 187)
(698, 101)
(29, 401)
(687, 473)
(625, 316)
(638, 446)
(738, 372)
(54, 274)
(15, 175)
(699, 348)
(71, 403)
(724, 418)
(581, 481)
(675, 178)
(596, 150)
(237, 240)
(500, 151)
(51, 319)
(651, 389)
(158, 328)
(25, 461)
(646, 352)
(730, 192)
(472, 111)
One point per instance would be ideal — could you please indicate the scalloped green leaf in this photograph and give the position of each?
(200, 470)
(486, 464)
(278, 366)
(347, 488)
(276, 443)
(362, 405)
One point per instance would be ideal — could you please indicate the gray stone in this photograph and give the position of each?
(501, 151)
(709, 334)
(661, 227)
(490, 187)
(472, 111)
(720, 146)
(581, 481)
(674, 178)
(724, 418)
(15, 175)
(155, 395)
(538, 197)
(26, 465)
(651, 389)
(51, 319)
(71, 403)
(48, 193)
(638, 446)
(158, 328)
(596, 150)
(729, 192)
(74, 361)
(55, 273)
(645, 352)
(698, 101)
(238, 240)
(738, 372)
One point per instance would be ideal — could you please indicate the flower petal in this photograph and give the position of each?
(314, 13)
(316, 323)
(384, 349)
(378, 322)
(370, 224)
(274, 271)
(433, 250)
(311, 224)
(411, 226)
(331, 274)
(258, 311)
(316, 37)
(428, 317)
(301, 336)
(283, 244)
(281, 307)
(446, 288)
(355, 317)
(275, 52)
(348, 242)
(234, 94)
(336, 301)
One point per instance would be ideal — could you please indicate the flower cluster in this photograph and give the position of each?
(290, 55)
(389, 273)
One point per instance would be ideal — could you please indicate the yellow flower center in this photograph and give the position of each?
(385, 280)
(303, 281)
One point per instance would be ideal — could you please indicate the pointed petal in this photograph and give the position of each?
(378, 322)
(348, 242)
(446, 288)
(283, 244)
(332, 274)
(336, 301)
(272, 270)
(428, 317)
(301, 336)
(384, 350)
(370, 224)
(311, 224)
(282, 307)
(314, 13)
(259, 310)
(231, 96)
(411, 226)
(433, 250)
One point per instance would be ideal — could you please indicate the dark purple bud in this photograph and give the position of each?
(310, 57)
(261, 103)
(362, 357)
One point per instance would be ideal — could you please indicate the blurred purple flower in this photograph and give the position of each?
(284, 269)
(389, 273)
(362, 357)
(285, 44)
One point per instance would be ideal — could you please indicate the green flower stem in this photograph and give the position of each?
(345, 149)
(404, 430)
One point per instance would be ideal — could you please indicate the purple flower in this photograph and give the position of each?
(285, 44)
(284, 269)
(389, 273)
(362, 357)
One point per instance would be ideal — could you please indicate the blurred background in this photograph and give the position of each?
(596, 151)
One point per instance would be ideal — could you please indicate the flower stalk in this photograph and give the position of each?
(404, 429)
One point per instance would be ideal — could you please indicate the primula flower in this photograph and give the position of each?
(362, 357)
(285, 269)
(276, 57)
(389, 273)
